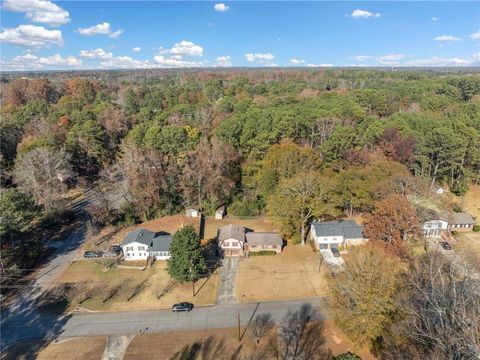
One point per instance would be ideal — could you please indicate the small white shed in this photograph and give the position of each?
(220, 213)
(192, 213)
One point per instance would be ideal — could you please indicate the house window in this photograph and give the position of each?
(234, 243)
(129, 248)
(226, 244)
(325, 239)
(141, 248)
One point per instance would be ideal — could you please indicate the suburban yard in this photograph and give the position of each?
(166, 345)
(224, 341)
(291, 274)
(468, 247)
(154, 287)
(84, 348)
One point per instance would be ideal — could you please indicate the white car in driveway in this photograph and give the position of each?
(330, 259)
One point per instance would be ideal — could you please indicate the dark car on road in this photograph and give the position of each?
(92, 254)
(445, 245)
(183, 306)
(335, 252)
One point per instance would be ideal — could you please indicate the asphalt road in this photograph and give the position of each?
(151, 321)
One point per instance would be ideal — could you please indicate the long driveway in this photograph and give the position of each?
(151, 321)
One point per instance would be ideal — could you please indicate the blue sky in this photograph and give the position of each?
(41, 34)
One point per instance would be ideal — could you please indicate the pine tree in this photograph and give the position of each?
(187, 261)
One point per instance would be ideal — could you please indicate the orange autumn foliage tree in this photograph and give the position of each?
(391, 223)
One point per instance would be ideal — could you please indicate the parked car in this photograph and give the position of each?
(116, 248)
(92, 254)
(445, 245)
(183, 306)
(110, 254)
(335, 252)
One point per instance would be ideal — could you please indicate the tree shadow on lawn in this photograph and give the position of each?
(25, 322)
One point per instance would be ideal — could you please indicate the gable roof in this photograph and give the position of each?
(141, 236)
(349, 229)
(264, 238)
(231, 232)
(456, 218)
(161, 243)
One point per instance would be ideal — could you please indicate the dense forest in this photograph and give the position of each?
(294, 144)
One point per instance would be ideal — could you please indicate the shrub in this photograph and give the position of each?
(347, 356)
(455, 233)
(476, 228)
(263, 252)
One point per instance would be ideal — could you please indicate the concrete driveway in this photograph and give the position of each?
(226, 288)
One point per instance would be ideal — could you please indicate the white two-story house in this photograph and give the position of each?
(329, 234)
(142, 244)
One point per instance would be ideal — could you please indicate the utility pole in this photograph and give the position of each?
(238, 322)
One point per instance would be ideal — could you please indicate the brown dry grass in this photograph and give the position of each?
(168, 344)
(169, 224)
(85, 348)
(90, 272)
(467, 245)
(471, 201)
(291, 274)
(256, 224)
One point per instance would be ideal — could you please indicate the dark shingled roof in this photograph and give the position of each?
(141, 236)
(264, 238)
(149, 238)
(349, 229)
(161, 243)
(231, 232)
(456, 218)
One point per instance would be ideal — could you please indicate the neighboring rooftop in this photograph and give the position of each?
(264, 238)
(141, 236)
(456, 218)
(231, 232)
(349, 229)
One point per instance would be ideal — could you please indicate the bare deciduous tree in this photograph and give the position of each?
(260, 326)
(38, 171)
(442, 309)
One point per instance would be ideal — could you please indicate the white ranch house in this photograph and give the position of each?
(142, 244)
(329, 234)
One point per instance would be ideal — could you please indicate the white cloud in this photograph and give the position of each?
(223, 61)
(124, 62)
(31, 35)
(326, 65)
(362, 57)
(33, 62)
(440, 61)
(363, 14)
(259, 58)
(96, 54)
(221, 7)
(296, 62)
(475, 36)
(58, 60)
(476, 56)
(185, 47)
(100, 29)
(137, 49)
(41, 11)
(447, 38)
(175, 61)
(434, 18)
(391, 59)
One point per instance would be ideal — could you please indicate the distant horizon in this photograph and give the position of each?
(77, 35)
